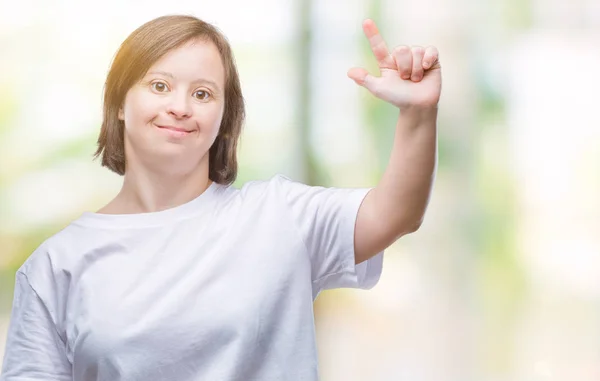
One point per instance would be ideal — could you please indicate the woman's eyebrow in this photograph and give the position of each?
(197, 81)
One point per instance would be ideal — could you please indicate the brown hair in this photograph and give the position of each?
(146, 45)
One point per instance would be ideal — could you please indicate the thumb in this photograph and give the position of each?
(362, 78)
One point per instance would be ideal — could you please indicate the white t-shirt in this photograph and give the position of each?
(219, 288)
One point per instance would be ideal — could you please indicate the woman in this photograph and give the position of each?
(183, 277)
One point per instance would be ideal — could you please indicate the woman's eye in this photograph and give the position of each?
(201, 95)
(159, 86)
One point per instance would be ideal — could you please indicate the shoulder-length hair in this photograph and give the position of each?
(136, 55)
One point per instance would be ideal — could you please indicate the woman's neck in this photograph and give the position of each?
(145, 191)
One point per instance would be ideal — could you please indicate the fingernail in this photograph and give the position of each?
(425, 64)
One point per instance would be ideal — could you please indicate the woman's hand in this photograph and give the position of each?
(410, 76)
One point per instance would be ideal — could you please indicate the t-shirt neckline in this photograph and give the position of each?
(148, 219)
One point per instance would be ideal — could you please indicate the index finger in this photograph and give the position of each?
(378, 45)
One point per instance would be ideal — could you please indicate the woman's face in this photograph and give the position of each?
(172, 116)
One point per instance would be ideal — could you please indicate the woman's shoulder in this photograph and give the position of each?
(255, 193)
(46, 257)
(276, 183)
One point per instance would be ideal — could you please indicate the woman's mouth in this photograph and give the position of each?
(175, 131)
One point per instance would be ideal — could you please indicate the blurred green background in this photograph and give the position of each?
(502, 281)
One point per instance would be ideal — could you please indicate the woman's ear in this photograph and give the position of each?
(120, 114)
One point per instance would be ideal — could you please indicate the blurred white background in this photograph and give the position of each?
(502, 281)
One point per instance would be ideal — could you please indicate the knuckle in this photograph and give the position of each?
(401, 49)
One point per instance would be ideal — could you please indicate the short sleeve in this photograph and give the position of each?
(326, 218)
(34, 349)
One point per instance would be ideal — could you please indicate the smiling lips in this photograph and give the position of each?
(176, 129)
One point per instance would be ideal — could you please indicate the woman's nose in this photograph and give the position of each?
(179, 106)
